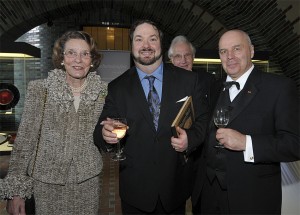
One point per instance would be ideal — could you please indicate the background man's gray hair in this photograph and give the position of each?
(180, 39)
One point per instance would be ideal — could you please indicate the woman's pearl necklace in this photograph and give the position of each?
(79, 89)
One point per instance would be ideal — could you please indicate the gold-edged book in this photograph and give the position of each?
(185, 116)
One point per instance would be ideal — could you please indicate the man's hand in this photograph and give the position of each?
(107, 129)
(231, 139)
(180, 144)
(16, 206)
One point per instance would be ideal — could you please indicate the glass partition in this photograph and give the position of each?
(16, 69)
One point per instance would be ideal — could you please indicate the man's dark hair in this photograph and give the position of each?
(142, 21)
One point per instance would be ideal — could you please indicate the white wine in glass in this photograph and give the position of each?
(221, 119)
(120, 127)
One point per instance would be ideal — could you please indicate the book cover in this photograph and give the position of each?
(185, 116)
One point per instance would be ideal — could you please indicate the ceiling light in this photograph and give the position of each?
(14, 55)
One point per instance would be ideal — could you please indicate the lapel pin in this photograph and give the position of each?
(249, 91)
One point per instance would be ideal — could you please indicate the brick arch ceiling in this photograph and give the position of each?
(202, 21)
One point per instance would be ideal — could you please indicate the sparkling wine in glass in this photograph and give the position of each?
(221, 119)
(120, 127)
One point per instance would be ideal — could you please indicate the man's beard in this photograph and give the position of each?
(147, 61)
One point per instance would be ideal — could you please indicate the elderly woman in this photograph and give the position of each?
(54, 156)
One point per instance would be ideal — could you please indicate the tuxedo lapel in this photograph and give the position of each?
(245, 96)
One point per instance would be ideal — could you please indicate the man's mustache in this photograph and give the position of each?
(147, 50)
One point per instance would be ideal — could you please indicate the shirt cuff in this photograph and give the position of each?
(248, 153)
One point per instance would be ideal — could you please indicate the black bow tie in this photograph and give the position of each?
(228, 84)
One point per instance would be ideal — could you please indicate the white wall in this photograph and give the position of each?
(113, 64)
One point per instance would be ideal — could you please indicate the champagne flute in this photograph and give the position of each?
(120, 127)
(221, 119)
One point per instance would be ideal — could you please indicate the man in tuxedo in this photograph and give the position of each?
(182, 54)
(244, 177)
(155, 176)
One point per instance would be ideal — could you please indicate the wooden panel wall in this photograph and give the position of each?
(110, 38)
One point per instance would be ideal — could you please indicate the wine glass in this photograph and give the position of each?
(221, 119)
(120, 127)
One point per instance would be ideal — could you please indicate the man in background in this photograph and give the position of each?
(182, 54)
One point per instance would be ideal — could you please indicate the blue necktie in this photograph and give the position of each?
(153, 100)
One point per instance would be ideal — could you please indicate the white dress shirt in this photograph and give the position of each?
(233, 92)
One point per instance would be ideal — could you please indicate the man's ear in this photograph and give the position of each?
(252, 51)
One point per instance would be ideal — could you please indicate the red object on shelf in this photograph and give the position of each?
(9, 96)
(6, 96)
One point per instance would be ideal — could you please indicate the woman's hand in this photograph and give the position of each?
(16, 206)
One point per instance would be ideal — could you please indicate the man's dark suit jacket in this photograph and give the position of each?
(269, 112)
(205, 80)
(153, 169)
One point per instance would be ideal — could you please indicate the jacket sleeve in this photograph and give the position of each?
(108, 111)
(18, 180)
(283, 143)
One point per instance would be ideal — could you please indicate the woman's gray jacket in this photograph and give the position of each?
(66, 135)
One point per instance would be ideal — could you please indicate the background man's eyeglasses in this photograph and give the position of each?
(179, 57)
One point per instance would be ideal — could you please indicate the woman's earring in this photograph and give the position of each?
(62, 63)
(92, 65)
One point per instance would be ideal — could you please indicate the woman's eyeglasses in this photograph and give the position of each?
(74, 54)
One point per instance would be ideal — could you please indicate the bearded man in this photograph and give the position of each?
(155, 177)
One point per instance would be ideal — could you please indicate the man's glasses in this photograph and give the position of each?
(179, 57)
(74, 54)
